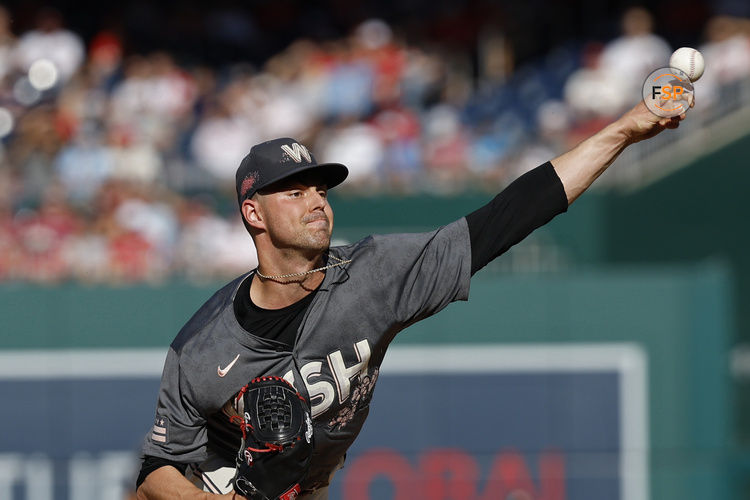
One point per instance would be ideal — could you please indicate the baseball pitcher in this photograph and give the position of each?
(269, 383)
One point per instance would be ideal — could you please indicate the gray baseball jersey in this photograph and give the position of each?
(391, 282)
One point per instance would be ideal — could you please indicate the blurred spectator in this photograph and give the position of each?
(78, 102)
(104, 59)
(373, 42)
(401, 162)
(593, 95)
(278, 106)
(133, 158)
(495, 57)
(195, 249)
(224, 135)
(629, 59)
(727, 55)
(554, 119)
(359, 147)
(349, 91)
(422, 78)
(132, 258)
(32, 155)
(446, 149)
(85, 164)
(152, 98)
(85, 254)
(611, 74)
(51, 40)
(492, 145)
(152, 218)
(210, 246)
(42, 235)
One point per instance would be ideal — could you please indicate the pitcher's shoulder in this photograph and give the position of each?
(208, 313)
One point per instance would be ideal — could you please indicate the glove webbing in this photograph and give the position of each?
(244, 425)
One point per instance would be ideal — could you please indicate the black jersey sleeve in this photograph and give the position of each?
(150, 464)
(527, 203)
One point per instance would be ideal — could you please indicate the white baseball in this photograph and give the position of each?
(688, 60)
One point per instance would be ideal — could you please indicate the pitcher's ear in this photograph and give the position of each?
(252, 213)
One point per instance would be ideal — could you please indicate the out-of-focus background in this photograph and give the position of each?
(606, 356)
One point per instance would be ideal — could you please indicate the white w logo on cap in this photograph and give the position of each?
(297, 151)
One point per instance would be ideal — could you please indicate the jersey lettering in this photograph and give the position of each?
(343, 375)
(322, 393)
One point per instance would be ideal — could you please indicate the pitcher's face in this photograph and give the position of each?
(296, 213)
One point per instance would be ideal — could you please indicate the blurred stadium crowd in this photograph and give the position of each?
(118, 166)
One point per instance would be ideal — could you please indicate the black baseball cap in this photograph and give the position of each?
(274, 160)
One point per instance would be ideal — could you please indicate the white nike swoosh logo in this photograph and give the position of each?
(223, 371)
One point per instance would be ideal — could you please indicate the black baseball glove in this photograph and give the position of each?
(277, 440)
